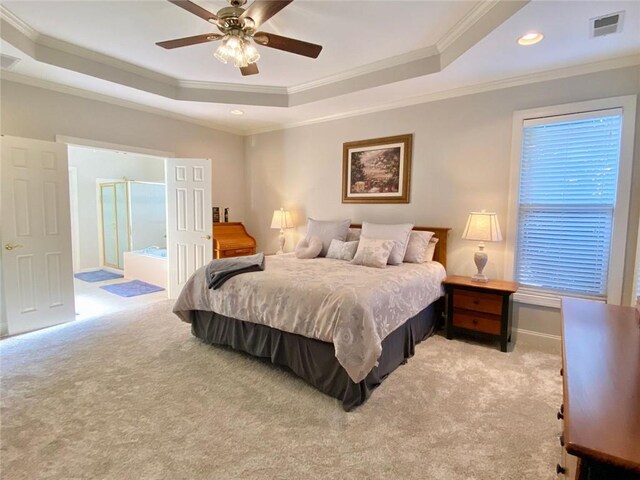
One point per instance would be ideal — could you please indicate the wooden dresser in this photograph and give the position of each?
(601, 401)
(230, 239)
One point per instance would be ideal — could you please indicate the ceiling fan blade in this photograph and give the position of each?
(288, 44)
(196, 10)
(183, 42)
(251, 69)
(262, 10)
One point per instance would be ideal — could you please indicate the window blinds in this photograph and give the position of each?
(567, 195)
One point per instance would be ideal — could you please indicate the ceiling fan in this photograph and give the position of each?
(238, 27)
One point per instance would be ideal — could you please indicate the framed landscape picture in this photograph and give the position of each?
(377, 170)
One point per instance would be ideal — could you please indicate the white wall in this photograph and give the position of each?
(91, 165)
(461, 163)
(32, 112)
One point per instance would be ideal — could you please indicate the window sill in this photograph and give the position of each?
(545, 299)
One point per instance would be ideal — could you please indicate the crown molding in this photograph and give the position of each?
(537, 77)
(232, 87)
(18, 23)
(79, 92)
(413, 64)
(471, 18)
(373, 67)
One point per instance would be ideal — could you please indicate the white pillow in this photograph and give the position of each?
(398, 233)
(353, 234)
(373, 252)
(309, 247)
(417, 247)
(342, 250)
(327, 231)
(431, 250)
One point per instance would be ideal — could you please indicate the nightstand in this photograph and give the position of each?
(483, 309)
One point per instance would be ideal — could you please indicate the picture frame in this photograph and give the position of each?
(377, 170)
(216, 214)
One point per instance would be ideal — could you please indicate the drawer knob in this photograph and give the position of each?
(562, 440)
(560, 416)
(560, 470)
(562, 408)
(476, 302)
(475, 321)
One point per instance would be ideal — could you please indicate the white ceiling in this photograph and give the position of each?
(352, 33)
(494, 60)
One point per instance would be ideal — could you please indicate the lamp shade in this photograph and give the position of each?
(482, 226)
(281, 219)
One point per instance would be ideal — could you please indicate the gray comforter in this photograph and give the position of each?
(352, 306)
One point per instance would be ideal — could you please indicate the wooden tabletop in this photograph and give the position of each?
(498, 285)
(601, 360)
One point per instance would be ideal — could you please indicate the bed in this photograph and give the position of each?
(341, 327)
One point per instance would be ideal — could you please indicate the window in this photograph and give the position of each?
(568, 183)
(569, 200)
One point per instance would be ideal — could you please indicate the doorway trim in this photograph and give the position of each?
(86, 142)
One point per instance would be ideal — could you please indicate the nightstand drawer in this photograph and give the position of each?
(479, 322)
(478, 301)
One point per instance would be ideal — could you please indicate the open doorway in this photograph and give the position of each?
(119, 229)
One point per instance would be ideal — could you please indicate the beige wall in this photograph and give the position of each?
(42, 114)
(32, 112)
(461, 162)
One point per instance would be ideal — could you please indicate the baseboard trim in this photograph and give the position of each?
(539, 339)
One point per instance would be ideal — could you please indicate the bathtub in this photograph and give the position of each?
(149, 265)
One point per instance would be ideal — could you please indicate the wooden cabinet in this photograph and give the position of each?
(483, 309)
(601, 390)
(230, 239)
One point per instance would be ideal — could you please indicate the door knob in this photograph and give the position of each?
(12, 246)
(206, 237)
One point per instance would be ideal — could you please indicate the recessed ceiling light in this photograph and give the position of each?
(530, 38)
(237, 112)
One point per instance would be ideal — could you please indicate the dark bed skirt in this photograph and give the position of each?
(313, 360)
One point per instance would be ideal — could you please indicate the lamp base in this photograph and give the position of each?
(480, 277)
(480, 259)
(281, 239)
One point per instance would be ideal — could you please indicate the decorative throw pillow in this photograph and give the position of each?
(342, 250)
(327, 231)
(353, 235)
(373, 252)
(309, 247)
(398, 233)
(431, 250)
(417, 247)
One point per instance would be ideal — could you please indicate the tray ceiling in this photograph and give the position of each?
(469, 48)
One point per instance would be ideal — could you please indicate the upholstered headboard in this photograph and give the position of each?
(441, 233)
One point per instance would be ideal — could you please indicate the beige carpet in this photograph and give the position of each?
(135, 396)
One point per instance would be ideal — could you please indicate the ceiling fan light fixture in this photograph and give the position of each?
(251, 53)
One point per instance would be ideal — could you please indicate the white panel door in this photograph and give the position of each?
(189, 220)
(36, 234)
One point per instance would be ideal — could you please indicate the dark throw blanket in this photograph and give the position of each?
(221, 270)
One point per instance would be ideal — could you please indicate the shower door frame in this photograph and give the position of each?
(115, 212)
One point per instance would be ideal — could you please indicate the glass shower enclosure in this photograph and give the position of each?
(133, 218)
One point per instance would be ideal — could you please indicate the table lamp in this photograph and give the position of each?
(484, 227)
(281, 220)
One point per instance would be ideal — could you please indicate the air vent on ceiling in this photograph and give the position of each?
(606, 25)
(7, 62)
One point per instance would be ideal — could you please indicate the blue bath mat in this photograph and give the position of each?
(132, 288)
(97, 276)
